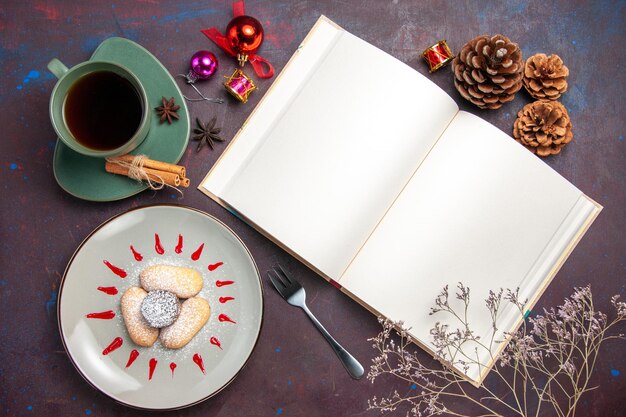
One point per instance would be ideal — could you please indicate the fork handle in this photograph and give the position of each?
(354, 368)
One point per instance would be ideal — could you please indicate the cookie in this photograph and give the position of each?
(138, 328)
(194, 313)
(184, 282)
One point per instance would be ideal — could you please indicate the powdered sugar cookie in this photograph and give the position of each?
(138, 328)
(194, 313)
(184, 282)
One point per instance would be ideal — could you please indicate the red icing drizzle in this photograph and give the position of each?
(153, 364)
(196, 255)
(137, 255)
(222, 283)
(225, 299)
(172, 367)
(213, 267)
(105, 315)
(157, 245)
(117, 271)
(131, 358)
(215, 341)
(224, 317)
(115, 344)
(198, 360)
(108, 290)
(179, 247)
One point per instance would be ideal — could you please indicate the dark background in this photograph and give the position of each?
(292, 372)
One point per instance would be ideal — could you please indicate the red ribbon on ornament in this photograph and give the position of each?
(220, 40)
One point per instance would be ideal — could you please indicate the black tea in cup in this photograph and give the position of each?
(102, 110)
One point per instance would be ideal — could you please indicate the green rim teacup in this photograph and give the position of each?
(67, 78)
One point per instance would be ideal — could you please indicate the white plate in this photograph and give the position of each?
(145, 229)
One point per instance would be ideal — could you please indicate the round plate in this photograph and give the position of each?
(84, 176)
(109, 261)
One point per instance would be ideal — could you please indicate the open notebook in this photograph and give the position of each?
(368, 173)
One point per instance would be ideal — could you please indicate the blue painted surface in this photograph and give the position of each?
(91, 43)
(52, 301)
(32, 75)
(187, 15)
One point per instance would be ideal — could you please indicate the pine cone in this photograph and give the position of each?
(545, 76)
(488, 71)
(543, 127)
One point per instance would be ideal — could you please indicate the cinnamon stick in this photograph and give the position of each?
(156, 165)
(168, 178)
(185, 182)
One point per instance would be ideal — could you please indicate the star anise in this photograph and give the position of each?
(168, 110)
(207, 133)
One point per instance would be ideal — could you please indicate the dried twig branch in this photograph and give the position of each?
(546, 365)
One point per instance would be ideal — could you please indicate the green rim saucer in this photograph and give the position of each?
(83, 176)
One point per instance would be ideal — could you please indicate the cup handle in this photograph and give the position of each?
(57, 68)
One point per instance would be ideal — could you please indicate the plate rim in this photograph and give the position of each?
(130, 192)
(86, 239)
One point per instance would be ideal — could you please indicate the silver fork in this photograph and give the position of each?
(292, 291)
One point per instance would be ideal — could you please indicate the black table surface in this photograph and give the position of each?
(292, 371)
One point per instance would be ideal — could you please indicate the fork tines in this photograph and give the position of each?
(283, 275)
(281, 280)
(276, 281)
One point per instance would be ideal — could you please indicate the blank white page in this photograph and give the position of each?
(323, 157)
(481, 210)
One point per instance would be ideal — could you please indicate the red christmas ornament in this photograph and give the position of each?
(245, 36)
